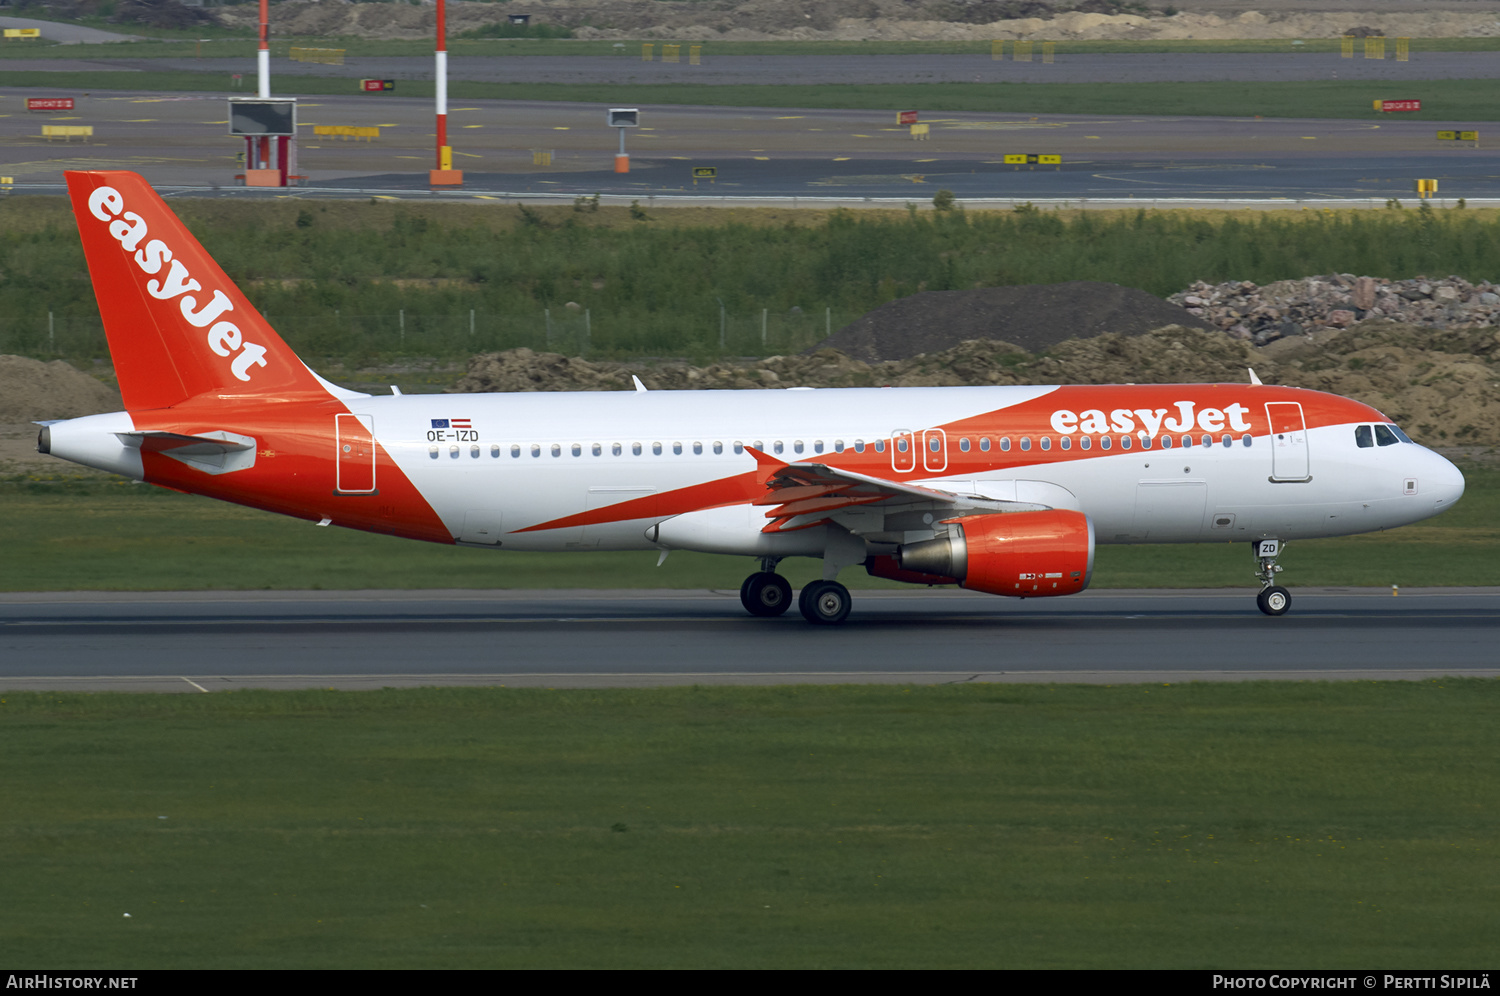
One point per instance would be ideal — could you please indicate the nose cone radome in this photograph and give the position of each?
(1445, 483)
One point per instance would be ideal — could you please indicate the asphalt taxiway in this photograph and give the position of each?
(212, 641)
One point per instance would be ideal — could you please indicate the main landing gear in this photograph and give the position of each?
(767, 593)
(1273, 599)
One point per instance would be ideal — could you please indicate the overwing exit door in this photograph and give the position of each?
(1289, 460)
(354, 440)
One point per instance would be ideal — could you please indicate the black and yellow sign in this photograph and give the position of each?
(705, 172)
(1458, 136)
(1033, 158)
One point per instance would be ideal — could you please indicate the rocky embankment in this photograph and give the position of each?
(1442, 385)
(1262, 314)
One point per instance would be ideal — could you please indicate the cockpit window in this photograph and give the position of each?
(1401, 435)
(1363, 437)
(1384, 436)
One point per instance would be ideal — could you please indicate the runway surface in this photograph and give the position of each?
(180, 142)
(212, 641)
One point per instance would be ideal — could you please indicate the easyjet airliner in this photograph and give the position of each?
(1004, 490)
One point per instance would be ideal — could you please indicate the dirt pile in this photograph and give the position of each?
(1442, 385)
(1338, 300)
(878, 20)
(31, 389)
(1035, 317)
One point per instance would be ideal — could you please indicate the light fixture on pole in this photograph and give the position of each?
(622, 118)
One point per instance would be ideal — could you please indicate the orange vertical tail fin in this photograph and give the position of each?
(177, 326)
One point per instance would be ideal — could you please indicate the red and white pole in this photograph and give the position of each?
(263, 57)
(444, 173)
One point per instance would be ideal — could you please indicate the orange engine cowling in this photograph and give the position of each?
(1022, 554)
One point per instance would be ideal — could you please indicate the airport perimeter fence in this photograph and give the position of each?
(701, 333)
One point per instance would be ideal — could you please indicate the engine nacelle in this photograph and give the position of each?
(1022, 554)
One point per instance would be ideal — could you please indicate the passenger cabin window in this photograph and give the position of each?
(557, 449)
(718, 447)
(963, 443)
(577, 449)
(515, 452)
(1066, 442)
(984, 444)
(1104, 442)
(880, 446)
(1124, 442)
(677, 449)
(1004, 444)
(494, 449)
(635, 449)
(656, 449)
(1025, 442)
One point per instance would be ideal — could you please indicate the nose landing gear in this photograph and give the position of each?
(1273, 599)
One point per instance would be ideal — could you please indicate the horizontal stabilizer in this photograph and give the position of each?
(215, 452)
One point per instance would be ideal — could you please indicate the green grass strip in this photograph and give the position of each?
(1442, 100)
(1220, 826)
(102, 533)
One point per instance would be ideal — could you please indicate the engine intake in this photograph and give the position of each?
(1021, 554)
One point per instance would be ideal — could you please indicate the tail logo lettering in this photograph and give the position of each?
(223, 337)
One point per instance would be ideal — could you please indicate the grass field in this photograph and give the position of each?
(1442, 100)
(364, 283)
(102, 533)
(1252, 825)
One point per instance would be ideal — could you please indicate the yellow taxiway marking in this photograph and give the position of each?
(386, 197)
(791, 117)
(761, 158)
(466, 109)
(1309, 138)
(561, 128)
(679, 157)
(469, 154)
(388, 126)
(473, 126)
(859, 136)
(138, 121)
(411, 157)
(213, 122)
(815, 129)
(842, 159)
(486, 197)
(924, 160)
(71, 117)
(1091, 136)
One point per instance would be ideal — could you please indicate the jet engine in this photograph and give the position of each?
(1022, 554)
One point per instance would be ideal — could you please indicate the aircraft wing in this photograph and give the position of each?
(800, 494)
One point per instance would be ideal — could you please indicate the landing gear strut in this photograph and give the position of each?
(1273, 599)
(766, 593)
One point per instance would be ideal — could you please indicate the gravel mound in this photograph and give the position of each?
(1034, 317)
(1338, 300)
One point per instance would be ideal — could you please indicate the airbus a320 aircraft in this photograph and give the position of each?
(1004, 490)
